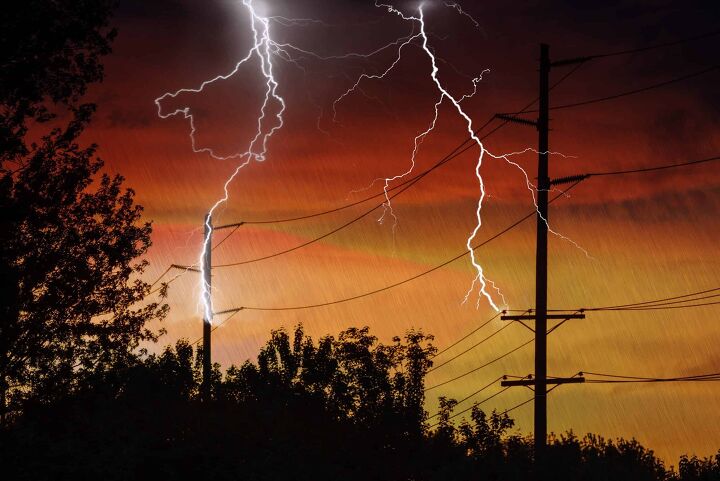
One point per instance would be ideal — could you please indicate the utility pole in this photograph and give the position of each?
(541, 260)
(208, 314)
(540, 315)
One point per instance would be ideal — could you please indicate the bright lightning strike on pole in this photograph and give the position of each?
(263, 47)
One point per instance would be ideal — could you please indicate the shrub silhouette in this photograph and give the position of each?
(340, 408)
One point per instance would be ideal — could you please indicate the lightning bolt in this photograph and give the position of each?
(533, 189)
(480, 280)
(263, 48)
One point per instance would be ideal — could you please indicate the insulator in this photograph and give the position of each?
(570, 179)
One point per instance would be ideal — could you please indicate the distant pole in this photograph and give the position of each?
(541, 264)
(207, 318)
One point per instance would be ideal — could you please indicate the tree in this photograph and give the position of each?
(49, 53)
(354, 376)
(71, 236)
(692, 468)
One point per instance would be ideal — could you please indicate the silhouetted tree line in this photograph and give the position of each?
(347, 408)
(80, 399)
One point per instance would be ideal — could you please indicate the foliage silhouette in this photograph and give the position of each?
(300, 412)
(71, 236)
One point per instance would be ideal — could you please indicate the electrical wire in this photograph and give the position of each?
(457, 152)
(654, 168)
(518, 405)
(656, 308)
(655, 46)
(494, 360)
(469, 396)
(234, 229)
(405, 185)
(216, 326)
(379, 194)
(512, 226)
(503, 412)
(462, 353)
(669, 303)
(646, 378)
(185, 268)
(417, 276)
(161, 276)
(629, 92)
(618, 378)
(655, 301)
(445, 349)
(657, 304)
(454, 415)
(327, 234)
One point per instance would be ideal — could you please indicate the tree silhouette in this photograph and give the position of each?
(49, 53)
(70, 235)
(354, 376)
(281, 417)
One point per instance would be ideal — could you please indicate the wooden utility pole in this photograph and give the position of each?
(208, 314)
(540, 381)
(541, 259)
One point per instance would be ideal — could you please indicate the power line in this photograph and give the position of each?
(658, 308)
(449, 156)
(655, 46)
(457, 152)
(327, 234)
(161, 276)
(518, 405)
(664, 304)
(618, 378)
(494, 360)
(657, 304)
(454, 415)
(469, 396)
(481, 402)
(417, 276)
(626, 93)
(647, 378)
(405, 185)
(453, 154)
(708, 377)
(467, 335)
(655, 301)
(460, 354)
(234, 229)
(186, 268)
(376, 291)
(655, 168)
(216, 326)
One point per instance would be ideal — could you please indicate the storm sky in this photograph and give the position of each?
(647, 236)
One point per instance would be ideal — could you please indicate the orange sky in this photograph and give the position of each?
(648, 236)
